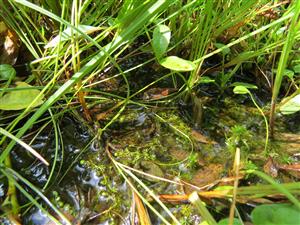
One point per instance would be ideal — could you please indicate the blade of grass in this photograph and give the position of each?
(278, 186)
(253, 33)
(9, 173)
(56, 130)
(196, 201)
(24, 145)
(236, 168)
(123, 169)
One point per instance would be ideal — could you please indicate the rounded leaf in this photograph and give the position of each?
(7, 72)
(275, 214)
(177, 64)
(291, 106)
(226, 221)
(20, 99)
(240, 90)
(246, 85)
(161, 39)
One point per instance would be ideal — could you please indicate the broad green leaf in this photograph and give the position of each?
(246, 85)
(226, 222)
(17, 100)
(225, 51)
(7, 72)
(161, 39)
(177, 64)
(291, 106)
(66, 34)
(241, 90)
(275, 214)
(296, 68)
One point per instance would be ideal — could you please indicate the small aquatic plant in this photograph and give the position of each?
(239, 137)
(242, 89)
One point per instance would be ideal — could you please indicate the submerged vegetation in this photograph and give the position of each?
(149, 112)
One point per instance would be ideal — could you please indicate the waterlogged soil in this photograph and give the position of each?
(158, 147)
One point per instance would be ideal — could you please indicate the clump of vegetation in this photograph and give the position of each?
(114, 111)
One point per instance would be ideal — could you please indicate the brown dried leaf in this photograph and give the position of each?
(271, 168)
(197, 136)
(141, 211)
(9, 46)
(210, 174)
(157, 93)
(293, 167)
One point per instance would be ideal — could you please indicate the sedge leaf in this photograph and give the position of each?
(66, 34)
(225, 50)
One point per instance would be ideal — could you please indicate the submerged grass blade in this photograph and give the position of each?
(11, 174)
(149, 191)
(24, 145)
(120, 170)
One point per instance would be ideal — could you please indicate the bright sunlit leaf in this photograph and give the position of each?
(275, 214)
(246, 85)
(240, 90)
(17, 100)
(66, 34)
(177, 64)
(205, 80)
(161, 39)
(291, 106)
(7, 72)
